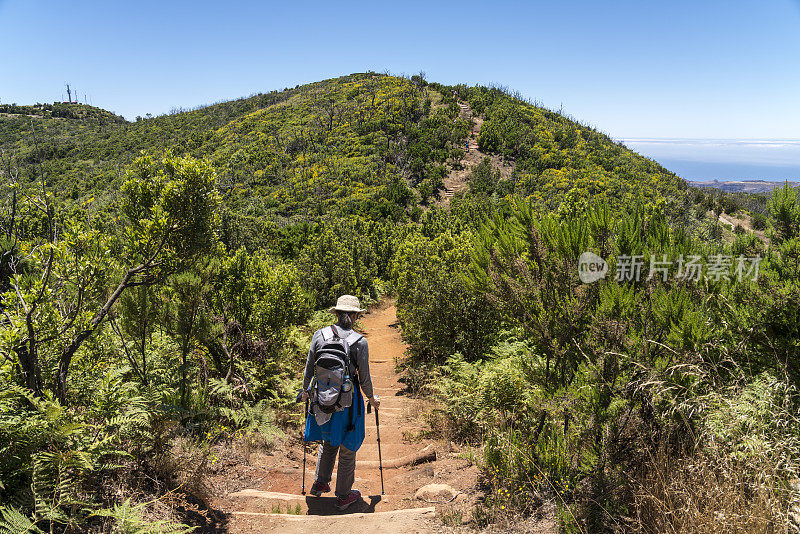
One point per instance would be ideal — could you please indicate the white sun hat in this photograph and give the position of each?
(347, 303)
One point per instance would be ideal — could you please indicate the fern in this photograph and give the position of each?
(49, 457)
(221, 389)
(12, 521)
(129, 519)
(254, 418)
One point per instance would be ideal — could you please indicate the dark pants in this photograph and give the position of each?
(345, 474)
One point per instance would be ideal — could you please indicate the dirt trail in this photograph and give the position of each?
(456, 180)
(271, 483)
(745, 223)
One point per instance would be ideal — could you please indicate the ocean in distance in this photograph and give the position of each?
(724, 159)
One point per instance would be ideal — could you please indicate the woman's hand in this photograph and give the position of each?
(375, 401)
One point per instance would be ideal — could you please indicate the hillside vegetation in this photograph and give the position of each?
(340, 142)
(160, 280)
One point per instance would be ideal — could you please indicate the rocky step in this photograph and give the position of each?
(272, 502)
(403, 521)
(252, 501)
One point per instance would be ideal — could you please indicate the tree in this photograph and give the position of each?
(439, 313)
(170, 206)
(187, 295)
(785, 212)
(482, 179)
(758, 221)
(138, 317)
(61, 290)
(257, 298)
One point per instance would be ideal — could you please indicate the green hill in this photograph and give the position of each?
(357, 144)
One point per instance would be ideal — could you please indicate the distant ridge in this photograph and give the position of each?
(742, 186)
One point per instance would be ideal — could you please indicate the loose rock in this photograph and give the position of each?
(436, 493)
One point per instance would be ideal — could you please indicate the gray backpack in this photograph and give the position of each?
(332, 390)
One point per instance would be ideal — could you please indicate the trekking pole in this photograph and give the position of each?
(378, 431)
(380, 460)
(303, 485)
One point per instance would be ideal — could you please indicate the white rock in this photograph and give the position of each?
(436, 492)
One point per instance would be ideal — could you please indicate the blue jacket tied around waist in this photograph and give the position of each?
(335, 430)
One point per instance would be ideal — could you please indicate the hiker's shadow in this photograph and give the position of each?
(327, 505)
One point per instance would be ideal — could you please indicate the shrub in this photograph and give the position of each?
(729, 204)
(738, 480)
(339, 261)
(784, 211)
(439, 314)
(758, 221)
(483, 179)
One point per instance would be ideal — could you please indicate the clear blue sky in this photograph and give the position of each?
(722, 69)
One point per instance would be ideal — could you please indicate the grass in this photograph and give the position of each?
(291, 510)
(707, 494)
(451, 517)
(472, 455)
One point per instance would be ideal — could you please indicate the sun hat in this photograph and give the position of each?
(347, 303)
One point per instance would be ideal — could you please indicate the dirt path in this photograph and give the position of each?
(745, 223)
(271, 483)
(456, 180)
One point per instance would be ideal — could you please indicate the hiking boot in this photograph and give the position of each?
(318, 488)
(341, 503)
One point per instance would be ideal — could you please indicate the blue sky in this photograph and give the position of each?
(694, 69)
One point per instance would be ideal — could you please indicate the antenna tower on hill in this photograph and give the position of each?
(69, 95)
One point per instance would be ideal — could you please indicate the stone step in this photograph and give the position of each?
(272, 502)
(401, 521)
(426, 511)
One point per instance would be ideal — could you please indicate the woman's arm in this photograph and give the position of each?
(364, 376)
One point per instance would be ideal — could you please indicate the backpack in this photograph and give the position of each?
(332, 389)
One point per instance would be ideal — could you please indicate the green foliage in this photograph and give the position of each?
(553, 154)
(139, 316)
(253, 419)
(440, 316)
(129, 519)
(281, 202)
(170, 204)
(262, 294)
(729, 204)
(81, 112)
(462, 409)
(342, 259)
(637, 358)
(758, 221)
(12, 521)
(185, 296)
(483, 179)
(755, 420)
(784, 210)
(64, 297)
(48, 456)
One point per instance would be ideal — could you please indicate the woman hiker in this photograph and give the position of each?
(342, 431)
